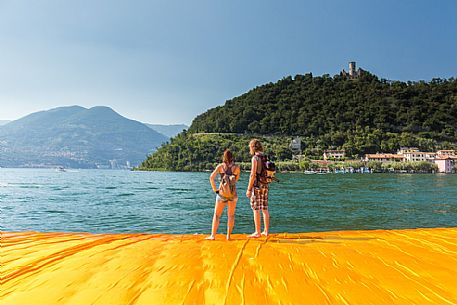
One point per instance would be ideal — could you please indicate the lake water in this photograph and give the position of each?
(107, 201)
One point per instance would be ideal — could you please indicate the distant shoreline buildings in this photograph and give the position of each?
(334, 154)
(444, 159)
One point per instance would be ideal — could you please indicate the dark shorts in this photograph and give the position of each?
(259, 198)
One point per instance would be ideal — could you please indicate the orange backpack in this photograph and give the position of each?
(267, 171)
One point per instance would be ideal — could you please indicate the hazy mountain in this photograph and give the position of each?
(168, 130)
(76, 137)
(3, 122)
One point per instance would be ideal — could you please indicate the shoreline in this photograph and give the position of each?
(209, 171)
(336, 267)
(297, 172)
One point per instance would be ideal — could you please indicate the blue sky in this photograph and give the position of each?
(167, 61)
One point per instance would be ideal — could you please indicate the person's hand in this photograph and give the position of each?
(248, 193)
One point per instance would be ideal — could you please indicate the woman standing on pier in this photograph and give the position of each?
(226, 193)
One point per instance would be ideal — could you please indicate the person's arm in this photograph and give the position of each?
(252, 177)
(237, 173)
(211, 178)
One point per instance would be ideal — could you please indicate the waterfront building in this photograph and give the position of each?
(404, 150)
(430, 156)
(335, 154)
(445, 163)
(444, 159)
(417, 156)
(446, 152)
(384, 157)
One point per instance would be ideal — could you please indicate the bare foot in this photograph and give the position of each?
(264, 234)
(228, 237)
(254, 235)
(210, 238)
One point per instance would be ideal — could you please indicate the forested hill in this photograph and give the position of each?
(363, 115)
(333, 106)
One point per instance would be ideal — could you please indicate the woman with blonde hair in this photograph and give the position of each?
(257, 192)
(226, 193)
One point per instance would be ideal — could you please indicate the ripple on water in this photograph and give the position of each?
(178, 189)
(125, 194)
(54, 212)
(145, 188)
(59, 187)
(29, 186)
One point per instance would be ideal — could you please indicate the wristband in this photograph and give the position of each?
(217, 192)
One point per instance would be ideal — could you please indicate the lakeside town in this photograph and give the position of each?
(406, 160)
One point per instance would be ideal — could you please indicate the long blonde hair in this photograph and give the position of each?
(255, 146)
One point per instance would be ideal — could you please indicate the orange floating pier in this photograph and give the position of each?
(417, 266)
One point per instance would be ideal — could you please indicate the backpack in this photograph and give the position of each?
(267, 172)
(227, 189)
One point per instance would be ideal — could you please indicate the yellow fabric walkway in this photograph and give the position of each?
(351, 267)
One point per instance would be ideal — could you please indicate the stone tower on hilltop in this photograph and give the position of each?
(353, 71)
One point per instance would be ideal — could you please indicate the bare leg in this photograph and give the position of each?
(230, 217)
(266, 222)
(256, 234)
(218, 208)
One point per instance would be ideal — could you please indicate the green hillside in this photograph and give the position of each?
(198, 152)
(363, 115)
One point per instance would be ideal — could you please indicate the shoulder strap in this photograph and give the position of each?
(227, 170)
